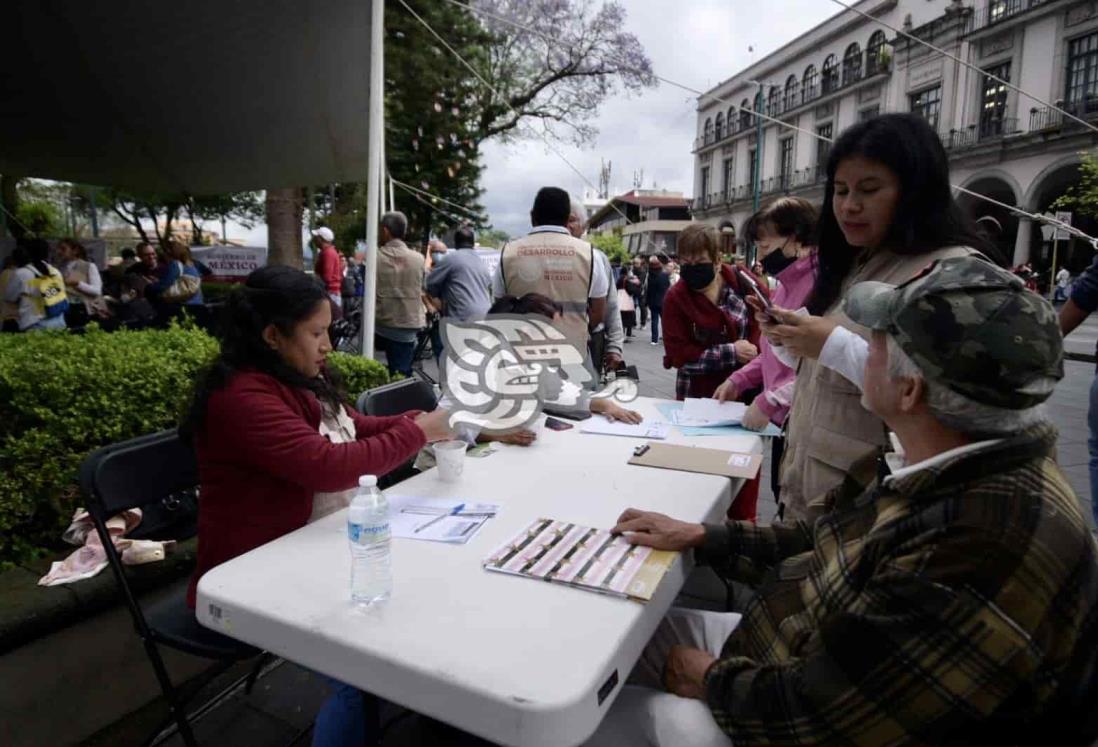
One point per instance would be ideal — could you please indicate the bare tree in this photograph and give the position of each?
(557, 75)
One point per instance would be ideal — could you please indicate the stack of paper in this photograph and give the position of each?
(709, 413)
(585, 557)
(673, 412)
(437, 519)
(655, 429)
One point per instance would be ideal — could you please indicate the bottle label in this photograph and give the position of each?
(358, 533)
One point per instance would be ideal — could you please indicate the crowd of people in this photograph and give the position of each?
(931, 579)
(64, 289)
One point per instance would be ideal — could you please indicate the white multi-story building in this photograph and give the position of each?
(1000, 143)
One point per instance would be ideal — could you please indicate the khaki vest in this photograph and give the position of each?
(556, 265)
(400, 287)
(828, 429)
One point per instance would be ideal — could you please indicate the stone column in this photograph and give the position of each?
(1021, 243)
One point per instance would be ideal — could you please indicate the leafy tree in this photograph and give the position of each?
(493, 238)
(612, 246)
(1083, 197)
(40, 208)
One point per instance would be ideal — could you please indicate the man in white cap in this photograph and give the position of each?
(329, 266)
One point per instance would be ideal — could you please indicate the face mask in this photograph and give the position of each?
(776, 261)
(437, 257)
(698, 277)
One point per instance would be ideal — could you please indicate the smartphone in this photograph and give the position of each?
(754, 288)
(556, 425)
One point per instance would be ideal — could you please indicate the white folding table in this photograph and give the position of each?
(510, 659)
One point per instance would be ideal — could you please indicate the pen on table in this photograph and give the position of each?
(455, 510)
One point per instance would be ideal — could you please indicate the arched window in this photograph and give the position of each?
(708, 133)
(791, 92)
(720, 125)
(745, 114)
(810, 84)
(852, 64)
(873, 53)
(830, 74)
(774, 102)
(731, 120)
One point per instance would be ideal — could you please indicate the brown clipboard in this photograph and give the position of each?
(695, 459)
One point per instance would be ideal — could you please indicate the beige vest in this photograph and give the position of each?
(556, 265)
(828, 429)
(400, 287)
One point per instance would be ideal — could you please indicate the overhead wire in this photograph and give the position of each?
(433, 196)
(1041, 218)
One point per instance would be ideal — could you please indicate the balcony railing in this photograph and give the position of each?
(1045, 118)
(800, 179)
(997, 11)
(782, 105)
(986, 131)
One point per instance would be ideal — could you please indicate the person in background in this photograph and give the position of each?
(328, 266)
(953, 602)
(461, 283)
(180, 284)
(784, 233)
(116, 271)
(84, 283)
(606, 344)
(1063, 285)
(888, 212)
(1081, 304)
(709, 330)
(656, 285)
(628, 308)
(277, 444)
(400, 311)
(639, 289)
(436, 254)
(9, 310)
(37, 290)
(551, 261)
(673, 274)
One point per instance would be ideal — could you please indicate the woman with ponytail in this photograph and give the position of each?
(277, 445)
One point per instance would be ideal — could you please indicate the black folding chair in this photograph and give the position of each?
(139, 473)
(397, 397)
(393, 399)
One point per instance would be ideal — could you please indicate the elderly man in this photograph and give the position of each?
(607, 339)
(954, 602)
(400, 311)
(552, 262)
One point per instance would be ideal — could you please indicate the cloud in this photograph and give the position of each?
(697, 43)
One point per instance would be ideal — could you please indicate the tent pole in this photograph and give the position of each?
(375, 169)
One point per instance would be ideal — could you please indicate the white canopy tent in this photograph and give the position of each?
(203, 97)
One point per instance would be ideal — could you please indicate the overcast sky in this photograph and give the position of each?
(696, 42)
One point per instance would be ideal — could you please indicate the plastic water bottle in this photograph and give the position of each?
(368, 533)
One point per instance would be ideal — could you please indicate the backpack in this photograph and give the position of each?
(52, 300)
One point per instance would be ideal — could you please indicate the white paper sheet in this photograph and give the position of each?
(655, 429)
(705, 412)
(411, 517)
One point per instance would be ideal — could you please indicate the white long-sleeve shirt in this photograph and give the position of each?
(846, 352)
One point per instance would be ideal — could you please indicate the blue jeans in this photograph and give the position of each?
(1092, 445)
(57, 322)
(655, 322)
(341, 720)
(398, 355)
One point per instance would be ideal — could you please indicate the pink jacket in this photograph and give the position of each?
(776, 378)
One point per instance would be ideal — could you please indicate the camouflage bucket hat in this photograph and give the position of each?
(969, 326)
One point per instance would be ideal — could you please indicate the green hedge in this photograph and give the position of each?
(62, 396)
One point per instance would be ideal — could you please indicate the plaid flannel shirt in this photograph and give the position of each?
(955, 605)
(716, 358)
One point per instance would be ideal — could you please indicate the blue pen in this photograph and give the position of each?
(455, 510)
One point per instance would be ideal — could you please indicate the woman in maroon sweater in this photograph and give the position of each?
(277, 445)
(708, 329)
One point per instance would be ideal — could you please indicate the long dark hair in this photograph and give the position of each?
(927, 217)
(38, 251)
(284, 297)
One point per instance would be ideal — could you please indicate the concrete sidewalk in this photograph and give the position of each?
(284, 702)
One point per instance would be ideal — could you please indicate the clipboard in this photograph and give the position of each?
(695, 459)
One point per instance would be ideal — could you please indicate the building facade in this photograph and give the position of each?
(651, 222)
(1001, 143)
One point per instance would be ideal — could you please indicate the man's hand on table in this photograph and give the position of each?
(755, 419)
(684, 672)
(612, 410)
(658, 531)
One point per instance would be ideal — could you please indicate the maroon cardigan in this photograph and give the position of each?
(684, 309)
(261, 458)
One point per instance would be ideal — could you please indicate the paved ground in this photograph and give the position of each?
(282, 706)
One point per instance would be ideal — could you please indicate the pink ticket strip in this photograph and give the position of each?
(571, 554)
